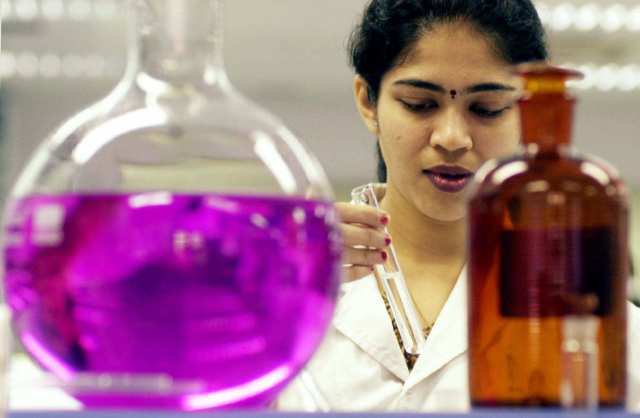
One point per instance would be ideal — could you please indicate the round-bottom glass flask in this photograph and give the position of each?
(173, 246)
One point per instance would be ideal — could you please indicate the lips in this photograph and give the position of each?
(449, 178)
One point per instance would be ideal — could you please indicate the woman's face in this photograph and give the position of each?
(448, 107)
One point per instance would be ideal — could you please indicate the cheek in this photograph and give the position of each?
(401, 150)
(400, 138)
(500, 141)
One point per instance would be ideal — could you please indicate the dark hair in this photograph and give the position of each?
(390, 28)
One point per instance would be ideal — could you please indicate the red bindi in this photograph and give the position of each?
(453, 94)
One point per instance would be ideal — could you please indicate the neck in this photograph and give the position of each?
(177, 42)
(421, 240)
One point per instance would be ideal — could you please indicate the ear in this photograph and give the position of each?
(366, 106)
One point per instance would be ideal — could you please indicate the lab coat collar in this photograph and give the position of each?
(448, 337)
(361, 306)
(362, 317)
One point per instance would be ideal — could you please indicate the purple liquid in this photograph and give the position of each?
(187, 301)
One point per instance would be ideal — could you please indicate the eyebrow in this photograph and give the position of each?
(489, 87)
(421, 84)
(477, 88)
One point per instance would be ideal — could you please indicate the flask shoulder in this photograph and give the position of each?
(185, 142)
(49, 168)
(599, 175)
(565, 171)
(599, 170)
(590, 174)
(496, 175)
(129, 109)
(122, 99)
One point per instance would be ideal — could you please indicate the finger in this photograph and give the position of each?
(355, 272)
(362, 214)
(354, 235)
(363, 257)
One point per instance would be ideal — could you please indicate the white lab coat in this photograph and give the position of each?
(359, 366)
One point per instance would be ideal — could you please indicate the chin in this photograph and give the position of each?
(446, 212)
(446, 207)
(450, 217)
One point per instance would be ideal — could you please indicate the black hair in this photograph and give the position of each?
(390, 28)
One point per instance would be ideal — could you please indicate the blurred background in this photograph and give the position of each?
(289, 55)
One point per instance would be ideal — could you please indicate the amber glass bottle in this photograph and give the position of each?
(548, 249)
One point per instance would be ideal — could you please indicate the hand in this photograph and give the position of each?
(364, 238)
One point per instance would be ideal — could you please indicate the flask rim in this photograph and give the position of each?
(546, 69)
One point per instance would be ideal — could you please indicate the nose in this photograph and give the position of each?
(450, 132)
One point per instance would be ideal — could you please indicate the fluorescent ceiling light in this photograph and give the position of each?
(589, 16)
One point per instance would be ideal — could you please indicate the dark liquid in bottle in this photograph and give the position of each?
(547, 272)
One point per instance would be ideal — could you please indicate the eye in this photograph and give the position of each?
(485, 112)
(420, 107)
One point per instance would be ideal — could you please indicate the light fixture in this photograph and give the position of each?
(27, 64)
(614, 18)
(633, 19)
(53, 10)
(79, 10)
(26, 10)
(562, 17)
(589, 16)
(50, 66)
(586, 18)
(608, 77)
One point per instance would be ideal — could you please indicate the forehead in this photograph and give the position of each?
(453, 54)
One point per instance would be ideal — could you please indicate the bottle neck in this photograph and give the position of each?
(177, 42)
(547, 119)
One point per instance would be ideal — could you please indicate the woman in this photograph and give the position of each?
(435, 87)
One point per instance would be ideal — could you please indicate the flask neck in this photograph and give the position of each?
(547, 120)
(546, 111)
(177, 42)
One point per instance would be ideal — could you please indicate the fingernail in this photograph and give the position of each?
(387, 241)
(384, 219)
(384, 255)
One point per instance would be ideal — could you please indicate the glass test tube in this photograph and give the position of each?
(392, 283)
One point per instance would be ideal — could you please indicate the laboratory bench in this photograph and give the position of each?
(249, 414)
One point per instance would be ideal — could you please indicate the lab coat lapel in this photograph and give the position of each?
(362, 317)
(448, 337)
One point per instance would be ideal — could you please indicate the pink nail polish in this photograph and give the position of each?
(384, 220)
(384, 255)
(387, 241)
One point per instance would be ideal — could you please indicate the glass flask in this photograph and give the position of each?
(173, 246)
(548, 265)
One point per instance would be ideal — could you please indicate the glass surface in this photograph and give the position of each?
(5, 352)
(391, 281)
(173, 246)
(548, 256)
